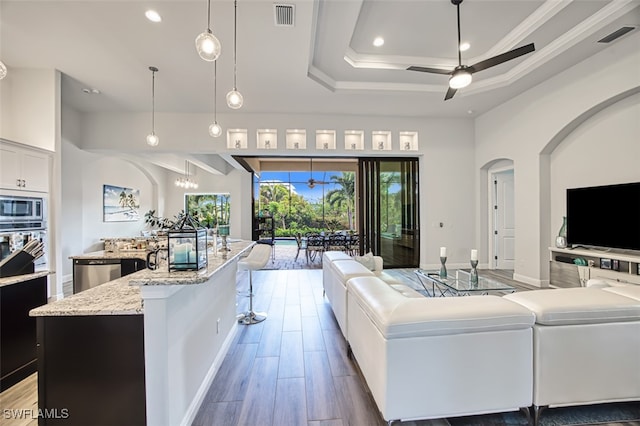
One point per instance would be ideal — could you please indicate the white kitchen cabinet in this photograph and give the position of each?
(23, 169)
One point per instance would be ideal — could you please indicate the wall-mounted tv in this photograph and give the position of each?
(604, 216)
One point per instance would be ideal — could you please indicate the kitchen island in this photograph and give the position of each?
(142, 349)
(18, 295)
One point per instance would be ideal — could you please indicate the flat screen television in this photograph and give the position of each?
(604, 216)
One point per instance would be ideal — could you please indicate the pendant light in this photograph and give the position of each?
(152, 138)
(215, 130)
(234, 98)
(185, 181)
(3, 70)
(208, 45)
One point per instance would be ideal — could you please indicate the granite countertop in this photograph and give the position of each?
(117, 254)
(122, 296)
(164, 277)
(116, 297)
(22, 278)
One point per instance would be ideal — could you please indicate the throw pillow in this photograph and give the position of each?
(367, 260)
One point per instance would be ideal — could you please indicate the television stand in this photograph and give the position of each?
(605, 264)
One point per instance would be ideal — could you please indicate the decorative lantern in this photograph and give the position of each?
(187, 245)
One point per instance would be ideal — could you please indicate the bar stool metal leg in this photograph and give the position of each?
(251, 317)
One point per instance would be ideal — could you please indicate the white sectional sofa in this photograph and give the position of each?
(445, 357)
(439, 357)
(586, 345)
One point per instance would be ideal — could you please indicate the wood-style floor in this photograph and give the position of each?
(293, 369)
(290, 370)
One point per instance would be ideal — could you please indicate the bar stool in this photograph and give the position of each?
(257, 259)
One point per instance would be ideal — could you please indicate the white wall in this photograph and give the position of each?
(29, 104)
(83, 176)
(527, 129)
(601, 151)
(446, 162)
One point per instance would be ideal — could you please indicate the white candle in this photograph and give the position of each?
(443, 252)
(474, 254)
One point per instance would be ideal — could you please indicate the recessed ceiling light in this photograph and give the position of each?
(470, 111)
(90, 91)
(378, 41)
(153, 16)
(464, 46)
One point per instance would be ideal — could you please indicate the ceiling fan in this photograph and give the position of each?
(461, 75)
(311, 183)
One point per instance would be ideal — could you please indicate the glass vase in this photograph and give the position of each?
(561, 239)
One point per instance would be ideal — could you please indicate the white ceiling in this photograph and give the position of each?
(326, 63)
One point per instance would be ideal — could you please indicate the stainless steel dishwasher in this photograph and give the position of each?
(88, 273)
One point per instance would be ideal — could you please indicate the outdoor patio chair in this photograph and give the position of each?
(337, 242)
(302, 245)
(315, 246)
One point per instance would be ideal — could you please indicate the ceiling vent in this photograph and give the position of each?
(616, 34)
(284, 14)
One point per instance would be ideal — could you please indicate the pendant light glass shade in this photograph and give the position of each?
(234, 98)
(215, 130)
(3, 70)
(207, 45)
(152, 138)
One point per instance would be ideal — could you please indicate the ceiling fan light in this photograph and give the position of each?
(215, 130)
(234, 99)
(208, 46)
(460, 78)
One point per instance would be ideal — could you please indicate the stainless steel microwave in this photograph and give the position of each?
(21, 212)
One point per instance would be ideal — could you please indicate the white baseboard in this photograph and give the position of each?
(531, 281)
(196, 402)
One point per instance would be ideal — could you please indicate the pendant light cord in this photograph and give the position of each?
(153, 101)
(209, 16)
(235, 37)
(215, 91)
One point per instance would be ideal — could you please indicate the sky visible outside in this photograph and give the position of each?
(299, 182)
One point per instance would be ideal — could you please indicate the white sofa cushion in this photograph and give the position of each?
(347, 270)
(334, 255)
(398, 316)
(631, 290)
(405, 290)
(577, 306)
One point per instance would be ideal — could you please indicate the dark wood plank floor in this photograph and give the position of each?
(292, 369)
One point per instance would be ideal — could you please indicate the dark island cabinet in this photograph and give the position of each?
(129, 266)
(92, 367)
(18, 330)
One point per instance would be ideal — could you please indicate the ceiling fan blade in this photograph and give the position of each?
(431, 70)
(504, 57)
(450, 93)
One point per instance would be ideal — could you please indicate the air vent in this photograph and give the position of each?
(616, 34)
(284, 14)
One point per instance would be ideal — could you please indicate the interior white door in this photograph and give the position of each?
(504, 221)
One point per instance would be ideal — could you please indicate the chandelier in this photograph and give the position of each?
(185, 181)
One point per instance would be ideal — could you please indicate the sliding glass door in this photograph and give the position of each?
(389, 214)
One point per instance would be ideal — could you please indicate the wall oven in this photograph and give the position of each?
(18, 213)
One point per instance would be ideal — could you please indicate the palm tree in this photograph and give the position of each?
(345, 195)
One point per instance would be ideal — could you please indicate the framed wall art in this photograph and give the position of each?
(120, 204)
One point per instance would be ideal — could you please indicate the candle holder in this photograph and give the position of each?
(187, 245)
(443, 268)
(473, 278)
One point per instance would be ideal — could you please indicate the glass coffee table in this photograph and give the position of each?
(458, 283)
